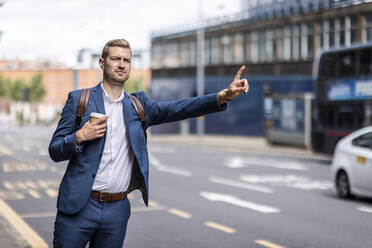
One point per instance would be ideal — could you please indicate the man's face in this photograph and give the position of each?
(116, 66)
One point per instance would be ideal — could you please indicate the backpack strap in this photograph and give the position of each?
(140, 111)
(82, 106)
(138, 107)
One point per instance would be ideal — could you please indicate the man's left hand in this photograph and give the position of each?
(238, 86)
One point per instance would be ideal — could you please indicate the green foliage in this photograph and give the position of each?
(133, 85)
(20, 90)
(37, 90)
(17, 90)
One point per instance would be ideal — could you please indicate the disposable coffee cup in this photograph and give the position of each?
(94, 117)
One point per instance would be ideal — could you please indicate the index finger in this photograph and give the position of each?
(239, 73)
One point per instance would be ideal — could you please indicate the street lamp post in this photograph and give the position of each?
(200, 77)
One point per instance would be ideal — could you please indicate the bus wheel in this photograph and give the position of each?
(343, 185)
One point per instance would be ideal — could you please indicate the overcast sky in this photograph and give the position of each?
(57, 29)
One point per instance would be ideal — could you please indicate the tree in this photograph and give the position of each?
(37, 90)
(17, 90)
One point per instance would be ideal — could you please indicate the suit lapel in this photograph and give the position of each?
(126, 112)
(98, 98)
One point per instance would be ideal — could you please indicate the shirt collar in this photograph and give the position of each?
(106, 96)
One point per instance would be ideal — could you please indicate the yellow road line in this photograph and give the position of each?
(21, 227)
(267, 244)
(220, 227)
(179, 213)
(38, 215)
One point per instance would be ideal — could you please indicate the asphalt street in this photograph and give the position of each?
(199, 197)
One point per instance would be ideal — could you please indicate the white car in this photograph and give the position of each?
(352, 164)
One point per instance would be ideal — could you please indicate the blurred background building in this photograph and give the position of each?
(277, 40)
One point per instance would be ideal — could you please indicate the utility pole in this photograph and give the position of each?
(200, 77)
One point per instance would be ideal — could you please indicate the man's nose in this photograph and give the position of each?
(121, 63)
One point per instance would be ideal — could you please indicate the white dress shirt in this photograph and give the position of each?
(115, 169)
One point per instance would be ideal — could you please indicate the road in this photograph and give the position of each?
(199, 197)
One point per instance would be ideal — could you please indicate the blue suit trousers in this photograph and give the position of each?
(103, 224)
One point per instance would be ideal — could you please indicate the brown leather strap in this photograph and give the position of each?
(105, 196)
(138, 107)
(83, 102)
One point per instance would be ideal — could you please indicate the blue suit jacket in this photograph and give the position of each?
(83, 164)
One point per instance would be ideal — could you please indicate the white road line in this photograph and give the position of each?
(239, 162)
(365, 209)
(180, 213)
(156, 163)
(166, 150)
(220, 227)
(24, 231)
(8, 185)
(238, 202)
(5, 151)
(34, 193)
(52, 193)
(241, 185)
(267, 244)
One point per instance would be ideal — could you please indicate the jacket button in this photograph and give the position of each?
(93, 175)
(100, 154)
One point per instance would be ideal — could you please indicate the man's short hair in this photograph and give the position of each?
(115, 43)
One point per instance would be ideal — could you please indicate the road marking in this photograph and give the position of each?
(156, 163)
(267, 244)
(8, 185)
(239, 162)
(5, 151)
(34, 193)
(289, 180)
(365, 209)
(238, 202)
(39, 215)
(43, 152)
(22, 228)
(220, 227)
(180, 213)
(241, 185)
(167, 150)
(52, 193)
(11, 195)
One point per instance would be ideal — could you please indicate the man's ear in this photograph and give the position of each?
(102, 63)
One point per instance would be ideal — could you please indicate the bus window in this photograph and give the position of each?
(328, 66)
(347, 64)
(365, 67)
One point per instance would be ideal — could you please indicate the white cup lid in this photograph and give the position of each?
(96, 115)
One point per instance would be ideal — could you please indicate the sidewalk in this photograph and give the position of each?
(246, 144)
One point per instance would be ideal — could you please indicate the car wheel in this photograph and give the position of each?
(343, 185)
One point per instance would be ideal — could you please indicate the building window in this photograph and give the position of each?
(227, 49)
(354, 29)
(248, 47)
(207, 53)
(306, 41)
(171, 54)
(254, 47)
(286, 43)
(296, 44)
(215, 50)
(368, 20)
(238, 48)
(156, 58)
(269, 45)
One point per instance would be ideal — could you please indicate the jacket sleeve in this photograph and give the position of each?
(162, 112)
(63, 144)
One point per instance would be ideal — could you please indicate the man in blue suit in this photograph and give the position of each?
(108, 158)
